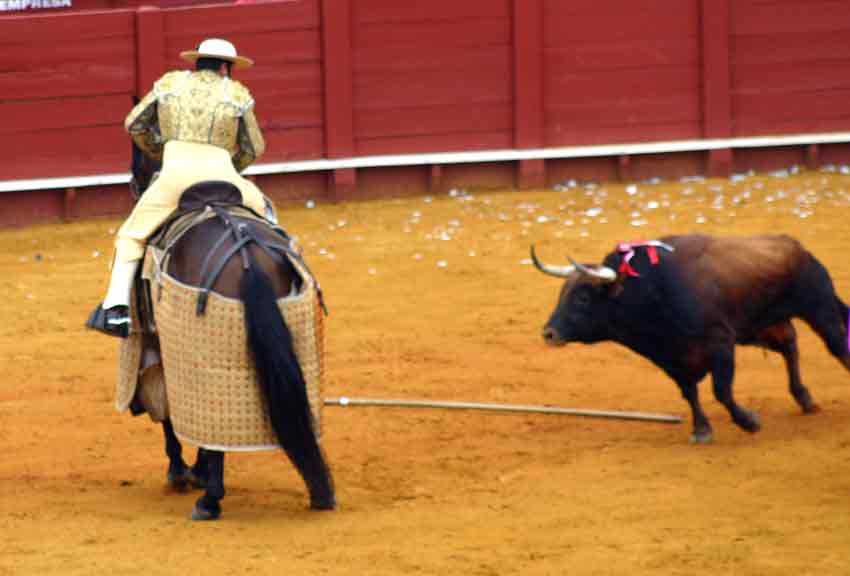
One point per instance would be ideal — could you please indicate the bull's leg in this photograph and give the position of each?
(702, 429)
(722, 375)
(782, 338)
(207, 507)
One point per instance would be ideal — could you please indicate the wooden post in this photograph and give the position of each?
(435, 180)
(812, 156)
(528, 88)
(624, 167)
(338, 93)
(70, 197)
(716, 82)
(150, 48)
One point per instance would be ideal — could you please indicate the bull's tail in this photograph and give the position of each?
(283, 384)
(823, 310)
(843, 311)
(844, 314)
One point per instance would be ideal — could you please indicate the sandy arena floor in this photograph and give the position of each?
(435, 298)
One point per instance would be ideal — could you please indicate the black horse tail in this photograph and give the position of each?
(283, 384)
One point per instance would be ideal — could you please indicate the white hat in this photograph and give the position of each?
(217, 48)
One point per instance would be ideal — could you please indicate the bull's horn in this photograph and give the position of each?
(557, 271)
(602, 273)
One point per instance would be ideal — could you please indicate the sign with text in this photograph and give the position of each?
(28, 5)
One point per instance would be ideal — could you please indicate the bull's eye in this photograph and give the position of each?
(582, 297)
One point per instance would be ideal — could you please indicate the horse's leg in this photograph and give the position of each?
(207, 507)
(200, 469)
(178, 471)
(180, 476)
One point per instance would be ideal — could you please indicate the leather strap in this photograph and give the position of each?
(210, 281)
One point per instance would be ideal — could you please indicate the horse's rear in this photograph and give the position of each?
(231, 256)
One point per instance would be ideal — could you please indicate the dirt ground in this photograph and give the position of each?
(435, 298)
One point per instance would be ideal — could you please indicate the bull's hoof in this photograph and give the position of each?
(702, 437)
(811, 408)
(204, 510)
(804, 399)
(752, 422)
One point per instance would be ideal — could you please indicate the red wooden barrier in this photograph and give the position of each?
(621, 71)
(432, 76)
(790, 64)
(339, 106)
(284, 39)
(342, 78)
(150, 48)
(62, 101)
(528, 89)
(716, 103)
(789, 67)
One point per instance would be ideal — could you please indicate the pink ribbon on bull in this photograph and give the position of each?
(628, 249)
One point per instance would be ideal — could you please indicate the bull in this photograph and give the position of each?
(684, 302)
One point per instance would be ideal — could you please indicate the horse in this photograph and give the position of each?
(258, 280)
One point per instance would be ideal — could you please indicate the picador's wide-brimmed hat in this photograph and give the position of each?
(217, 48)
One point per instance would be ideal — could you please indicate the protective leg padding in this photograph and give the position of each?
(214, 398)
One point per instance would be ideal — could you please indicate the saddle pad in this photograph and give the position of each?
(214, 398)
(140, 376)
(129, 364)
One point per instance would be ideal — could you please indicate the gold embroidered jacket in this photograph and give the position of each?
(201, 107)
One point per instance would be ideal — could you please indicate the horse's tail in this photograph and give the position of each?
(283, 384)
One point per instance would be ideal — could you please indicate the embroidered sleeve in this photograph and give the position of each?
(250, 143)
(142, 124)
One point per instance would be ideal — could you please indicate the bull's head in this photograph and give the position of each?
(583, 305)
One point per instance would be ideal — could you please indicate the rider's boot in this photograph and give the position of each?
(113, 315)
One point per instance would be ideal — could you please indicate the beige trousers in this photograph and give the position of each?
(184, 164)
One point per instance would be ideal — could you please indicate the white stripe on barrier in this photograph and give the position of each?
(463, 158)
(71, 182)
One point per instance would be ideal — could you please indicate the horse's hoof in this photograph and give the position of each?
(199, 513)
(702, 437)
(178, 481)
(323, 504)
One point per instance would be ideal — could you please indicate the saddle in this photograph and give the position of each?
(141, 383)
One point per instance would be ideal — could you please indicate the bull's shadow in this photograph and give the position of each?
(684, 302)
